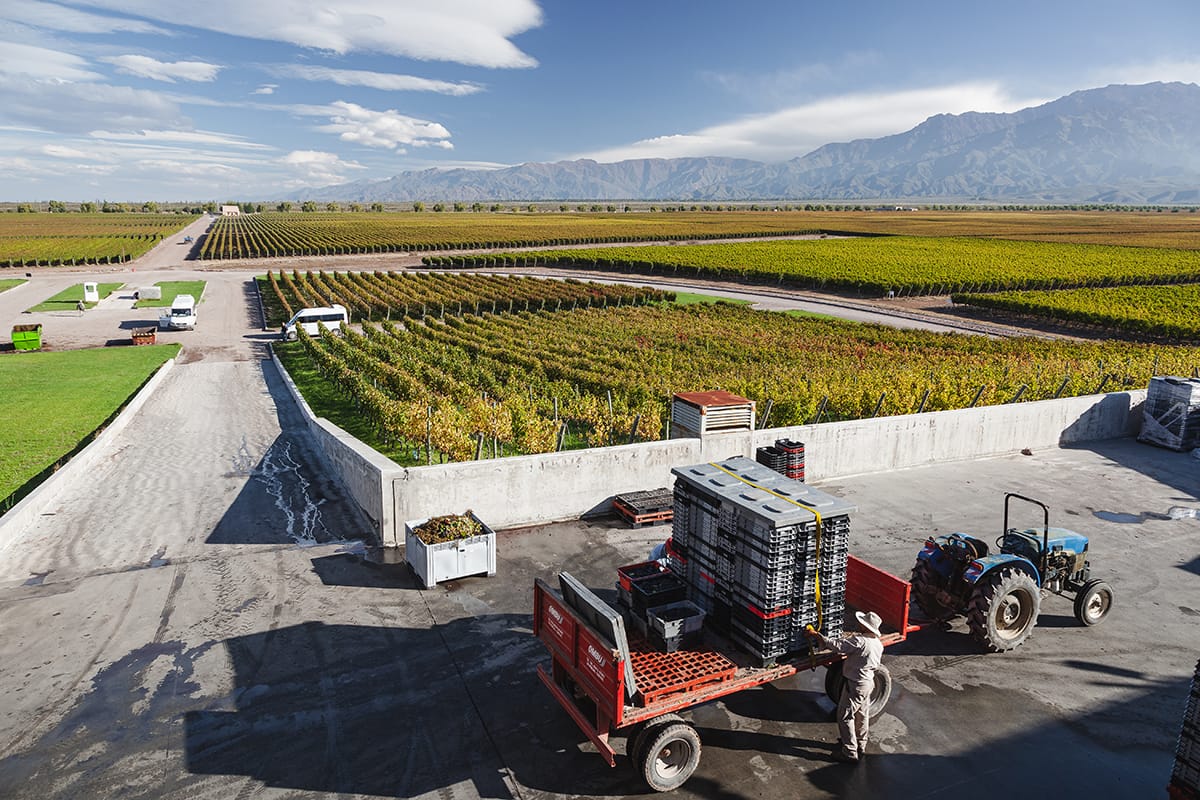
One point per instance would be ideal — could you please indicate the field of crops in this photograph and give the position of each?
(29, 240)
(340, 233)
(1167, 312)
(263, 235)
(874, 266)
(395, 295)
(530, 382)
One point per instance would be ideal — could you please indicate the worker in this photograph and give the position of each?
(863, 651)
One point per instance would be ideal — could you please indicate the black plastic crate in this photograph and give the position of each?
(765, 628)
(657, 590)
(721, 616)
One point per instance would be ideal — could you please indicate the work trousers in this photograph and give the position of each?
(854, 716)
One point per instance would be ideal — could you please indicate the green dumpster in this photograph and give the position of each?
(27, 337)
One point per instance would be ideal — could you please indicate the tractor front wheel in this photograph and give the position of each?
(1004, 608)
(1093, 602)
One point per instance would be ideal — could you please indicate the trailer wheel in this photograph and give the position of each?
(834, 681)
(672, 755)
(635, 746)
(1093, 602)
(881, 692)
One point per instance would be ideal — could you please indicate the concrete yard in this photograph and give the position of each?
(161, 649)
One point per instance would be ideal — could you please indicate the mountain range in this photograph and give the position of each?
(1119, 144)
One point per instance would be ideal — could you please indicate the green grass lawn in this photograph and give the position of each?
(50, 402)
(69, 297)
(10, 283)
(170, 289)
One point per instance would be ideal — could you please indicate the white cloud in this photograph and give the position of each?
(208, 138)
(390, 129)
(792, 132)
(52, 16)
(266, 88)
(475, 32)
(317, 168)
(64, 107)
(59, 151)
(176, 168)
(145, 67)
(43, 63)
(374, 80)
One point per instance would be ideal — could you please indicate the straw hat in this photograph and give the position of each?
(869, 621)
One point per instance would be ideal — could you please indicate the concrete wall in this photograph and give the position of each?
(534, 489)
(365, 475)
(528, 490)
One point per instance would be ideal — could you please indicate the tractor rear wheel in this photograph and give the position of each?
(1093, 602)
(925, 591)
(1004, 608)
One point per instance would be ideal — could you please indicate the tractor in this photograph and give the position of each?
(1000, 592)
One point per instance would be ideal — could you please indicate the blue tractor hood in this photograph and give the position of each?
(1069, 541)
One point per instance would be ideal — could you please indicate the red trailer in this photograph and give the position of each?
(591, 675)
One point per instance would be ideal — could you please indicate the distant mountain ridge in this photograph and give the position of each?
(1118, 144)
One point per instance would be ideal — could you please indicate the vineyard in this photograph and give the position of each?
(343, 233)
(1168, 312)
(535, 381)
(395, 295)
(874, 266)
(31, 240)
(274, 235)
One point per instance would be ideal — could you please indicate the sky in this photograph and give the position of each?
(165, 100)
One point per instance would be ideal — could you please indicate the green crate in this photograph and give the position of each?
(27, 337)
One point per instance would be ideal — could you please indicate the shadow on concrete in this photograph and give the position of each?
(1181, 471)
(253, 304)
(131, 324)
(381, 711)
(289, 494)
(351, 569)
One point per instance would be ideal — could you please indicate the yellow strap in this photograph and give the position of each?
(815, 513)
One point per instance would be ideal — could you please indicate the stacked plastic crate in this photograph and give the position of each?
(1171, 415)
(793, 458)
(1185, 778)
(754, 547)
(785, 457)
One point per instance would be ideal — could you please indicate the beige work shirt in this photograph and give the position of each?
(863, 654)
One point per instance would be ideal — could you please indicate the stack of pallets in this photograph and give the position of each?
(645, 508)
(1185, 778)
(763, 555)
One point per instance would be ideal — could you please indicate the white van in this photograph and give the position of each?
(182, 316)
(333, 317)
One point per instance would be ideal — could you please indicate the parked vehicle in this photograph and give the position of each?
(181, 316)
(1000, 591)
(610, 682)
(310, 319)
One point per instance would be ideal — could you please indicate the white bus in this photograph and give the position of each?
(334, 317)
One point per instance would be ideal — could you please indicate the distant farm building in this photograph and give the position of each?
(230, 211)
